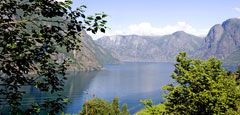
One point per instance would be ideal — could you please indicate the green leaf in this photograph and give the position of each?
(39, 40)
(104, 15)
(98, 17)
(102, 30)
(90, 18)
(82, 15)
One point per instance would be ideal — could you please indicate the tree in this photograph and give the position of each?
(153, 110)
(30, 33)
(97, 106)
(124, 110)
(115, 105)
(202, 87)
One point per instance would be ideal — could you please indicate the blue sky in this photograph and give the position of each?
(159, 17)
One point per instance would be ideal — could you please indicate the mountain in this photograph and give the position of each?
(90, 57)
(233, 59)
(223, 42)
(136, 48)
(103, 56)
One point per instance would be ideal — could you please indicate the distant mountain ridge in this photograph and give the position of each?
(222, 41)
(134, 48)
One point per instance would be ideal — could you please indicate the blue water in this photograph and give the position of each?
(131, 82)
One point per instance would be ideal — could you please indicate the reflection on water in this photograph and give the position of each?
(76, 87)
(128, 81)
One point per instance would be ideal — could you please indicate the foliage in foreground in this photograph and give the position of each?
(31, 31)
(150, 109)
(97, 106)
(202, 87)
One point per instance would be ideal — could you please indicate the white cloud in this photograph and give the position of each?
(109, 32)
(237, 9)
(146, 28)
(98, 34)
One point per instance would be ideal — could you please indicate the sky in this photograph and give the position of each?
(161, 17)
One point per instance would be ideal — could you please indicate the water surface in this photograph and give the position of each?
(131, 82)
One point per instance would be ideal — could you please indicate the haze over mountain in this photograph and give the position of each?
(222, 41)
(136, 48)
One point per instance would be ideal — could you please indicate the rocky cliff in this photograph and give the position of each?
(90, 57)
(135, 48)
(222, 41)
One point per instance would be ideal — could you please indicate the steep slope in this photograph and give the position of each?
(233, 59)
(126, 48)
(179, 42)
(135, 48)
(102, 55)
(91, 57)
(222, 41)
